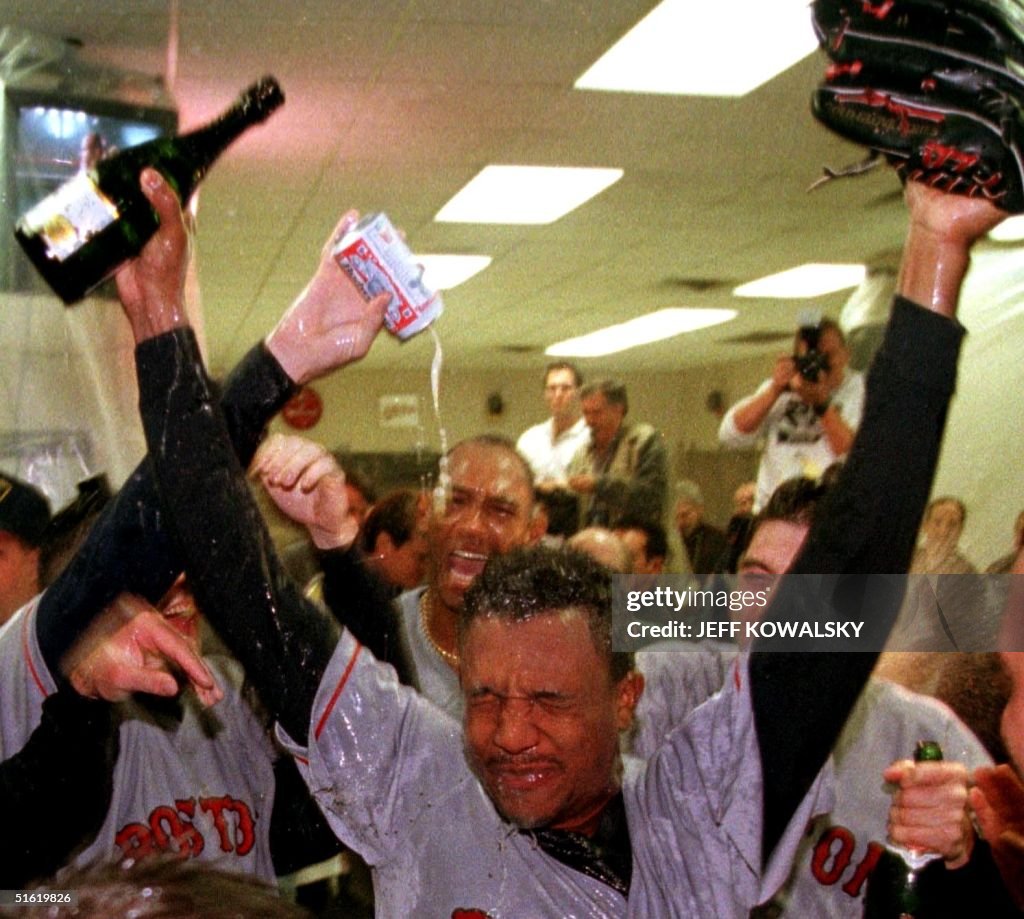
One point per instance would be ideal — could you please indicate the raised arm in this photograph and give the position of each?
(869, 522)
(217, 531)
(305, 482)
(127, 550)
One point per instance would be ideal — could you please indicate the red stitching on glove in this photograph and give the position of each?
(840, 70)
(935, 155)
(880, 11)
(876, 99)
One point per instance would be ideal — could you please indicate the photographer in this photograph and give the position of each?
(807, 411)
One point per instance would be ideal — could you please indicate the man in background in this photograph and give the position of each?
(705, 544)
(624, 470)
(806, 412)
(648, 543)
(739, 527)
(550, 446)
(393, 538)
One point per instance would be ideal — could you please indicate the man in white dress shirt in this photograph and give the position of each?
(550, 445)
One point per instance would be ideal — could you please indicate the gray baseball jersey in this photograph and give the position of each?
(201, 784)
(840, 846)
(676, 681)
(438, 847)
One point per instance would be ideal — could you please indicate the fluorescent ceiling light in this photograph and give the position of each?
(1010, 230)
(811, 280)
(684, 47)
(443, 272)
(639, 331)
(525, 194)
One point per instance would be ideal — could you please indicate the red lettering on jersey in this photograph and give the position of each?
(830, 862)
(840, 859)
(172, 834)
(470, 914)
(187, 808)
(867, 865)
(245, 828)
(219, 809)
(135, 840)
(171, 829)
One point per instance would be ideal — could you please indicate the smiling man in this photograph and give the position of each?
(488, 509)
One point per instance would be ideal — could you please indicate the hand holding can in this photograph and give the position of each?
(376, 258)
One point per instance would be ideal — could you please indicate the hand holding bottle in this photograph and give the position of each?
(929, 809)
(152, 286)
(81, 233)
(330, 324)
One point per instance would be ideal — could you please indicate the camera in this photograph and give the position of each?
(812, 364)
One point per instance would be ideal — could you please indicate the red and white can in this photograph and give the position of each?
(374, 255)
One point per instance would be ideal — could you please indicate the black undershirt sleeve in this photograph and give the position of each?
(867, 526)
(128, 549)
(362, 603)
(55, 792)
(283, 641)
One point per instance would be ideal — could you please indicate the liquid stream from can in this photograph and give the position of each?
(443, 486)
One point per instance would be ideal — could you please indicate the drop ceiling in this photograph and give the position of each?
(395, 104)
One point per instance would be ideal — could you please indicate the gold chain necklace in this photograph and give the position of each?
(451, 658)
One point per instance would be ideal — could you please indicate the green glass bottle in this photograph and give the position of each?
(898, 886)
(84, 231)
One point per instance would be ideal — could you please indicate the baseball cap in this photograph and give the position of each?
(24, 510)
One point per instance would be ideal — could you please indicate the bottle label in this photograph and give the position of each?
(67, 219)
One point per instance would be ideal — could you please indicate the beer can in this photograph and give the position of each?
(374, 255)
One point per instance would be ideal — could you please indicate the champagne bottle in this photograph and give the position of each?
(85, 230)
(898, 886)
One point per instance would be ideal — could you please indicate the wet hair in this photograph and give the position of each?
(158, 888)
(394, 514)
(542, 580)
(654, 533)
(498, 442)
(564, 365)
(614, 392)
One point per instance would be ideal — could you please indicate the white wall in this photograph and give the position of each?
(73, 369)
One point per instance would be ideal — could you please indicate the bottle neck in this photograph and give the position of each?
(204, 144)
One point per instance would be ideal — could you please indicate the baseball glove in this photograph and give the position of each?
(934, 86)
